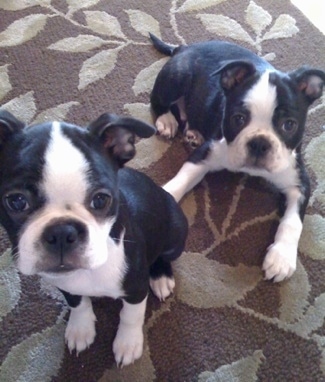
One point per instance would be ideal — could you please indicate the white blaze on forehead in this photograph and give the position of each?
(262, 100)
(65, 171)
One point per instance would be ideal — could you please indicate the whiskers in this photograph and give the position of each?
(15, 253)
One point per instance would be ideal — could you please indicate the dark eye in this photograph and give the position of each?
(17, 202)
(239, 120)
(100, 201)
(289, 126)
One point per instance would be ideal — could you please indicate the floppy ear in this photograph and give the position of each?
(8, 125)
(310, 82)
(234, 73)
(117, 135)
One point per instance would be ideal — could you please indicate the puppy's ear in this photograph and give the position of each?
(310, 82)
(117, 135)
(233, 73)
(8, 125)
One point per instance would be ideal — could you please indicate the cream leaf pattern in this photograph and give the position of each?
(242, 370)
(196, 5)
(81, 43)
(294, 296)
(23, 107)
(75, 5)
(143, 23)
(38, 357)
(22, 30)
(257, 18)
(57, 113)
(230, 283)
(4, 81)
(269, 57)
(139, 110)
(148, 149)
(315, 154)
(103, 23)
(312, 242)
(284, 26)
(312, 319)
(10, 289)
(17, 5)
(97, 67)
(146, 78)
(225, 26)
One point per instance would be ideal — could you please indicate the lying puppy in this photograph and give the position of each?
(251, 118)
(86, 224)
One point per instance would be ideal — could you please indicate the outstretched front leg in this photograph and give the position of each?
(191, 173)
(281, 259)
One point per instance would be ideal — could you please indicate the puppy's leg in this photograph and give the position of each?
(162, 281)
(281, 258)
(190, 174)
(128, 343)
(168, 90)
(80, 332)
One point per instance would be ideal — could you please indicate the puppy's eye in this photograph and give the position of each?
(100, 201)
(239, 120)
(17, 202)
(290, 126)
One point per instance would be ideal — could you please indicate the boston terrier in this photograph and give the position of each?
(245, 116)
(86, 224)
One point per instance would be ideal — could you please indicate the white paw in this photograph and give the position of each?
(167, 125)
(162, 287)
(128, 344)
(280, 261)
(80, 332)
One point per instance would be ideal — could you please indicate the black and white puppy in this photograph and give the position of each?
(86, 224)
(246, 116)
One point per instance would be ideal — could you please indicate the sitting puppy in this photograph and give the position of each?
(87, 225)
(251, 118)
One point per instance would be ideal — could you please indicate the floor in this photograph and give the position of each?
(314, 10)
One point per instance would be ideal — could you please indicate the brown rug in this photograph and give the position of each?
(74, 60)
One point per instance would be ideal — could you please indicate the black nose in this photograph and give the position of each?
(259, 146)
(63, 237)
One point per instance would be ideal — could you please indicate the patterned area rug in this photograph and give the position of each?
(73, 60)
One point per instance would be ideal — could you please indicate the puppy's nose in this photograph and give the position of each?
(258, 146)
(62, 238)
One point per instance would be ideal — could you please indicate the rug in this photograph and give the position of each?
(73, 60)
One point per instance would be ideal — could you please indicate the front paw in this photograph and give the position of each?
(128, 345)
(167, 125)
(80, 332)
(280, 262)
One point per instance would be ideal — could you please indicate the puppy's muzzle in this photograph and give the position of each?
(65, 241)
(259, 147)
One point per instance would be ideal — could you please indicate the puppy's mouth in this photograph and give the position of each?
(62, 268)
(257, 163)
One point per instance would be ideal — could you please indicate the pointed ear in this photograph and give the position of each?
(117, 135)
(8, 125)
(234, 73)
(310, 82)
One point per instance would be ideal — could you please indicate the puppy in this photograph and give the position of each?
(245, 116)
(86, 224)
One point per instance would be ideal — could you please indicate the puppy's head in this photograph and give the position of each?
(59, 189)
(265, 114)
